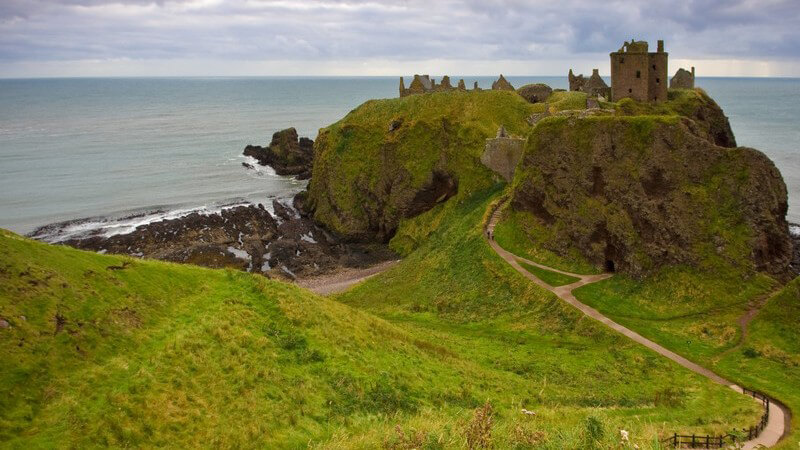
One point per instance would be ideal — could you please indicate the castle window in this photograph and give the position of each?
(622, 60)
(658, 80)
(638, 74)
(630, 91)
(654, 67)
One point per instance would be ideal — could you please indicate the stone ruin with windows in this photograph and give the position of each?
(636, 73)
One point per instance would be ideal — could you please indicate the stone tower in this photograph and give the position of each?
(639, 74)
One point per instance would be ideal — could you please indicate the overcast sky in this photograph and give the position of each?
(360, 37)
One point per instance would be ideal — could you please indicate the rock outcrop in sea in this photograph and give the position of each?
(286, 153)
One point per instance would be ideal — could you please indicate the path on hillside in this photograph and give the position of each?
(342, 280)
(777, 416)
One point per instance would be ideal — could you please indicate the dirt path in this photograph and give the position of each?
(776, 426)
(342, 280)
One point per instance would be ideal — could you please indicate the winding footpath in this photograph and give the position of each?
(778, 417)
(343, 280)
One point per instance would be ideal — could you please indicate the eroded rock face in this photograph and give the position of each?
(249, 238)
(286, 153)
(634, 194)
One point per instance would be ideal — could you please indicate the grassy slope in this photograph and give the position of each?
(548, 276)
(455, 290)
(445, 130)
(520, 233)
(696, 314)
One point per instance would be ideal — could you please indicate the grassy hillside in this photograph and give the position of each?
(570, 370)
(697, 314)
(110, 351)
(373, 167)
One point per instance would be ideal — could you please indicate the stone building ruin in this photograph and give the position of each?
(503, 153)
(683, 79)
(638, 73)
(595, 86)
(424, 84)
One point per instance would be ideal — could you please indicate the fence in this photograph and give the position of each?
(708, 441)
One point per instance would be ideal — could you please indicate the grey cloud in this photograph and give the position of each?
(399, 30)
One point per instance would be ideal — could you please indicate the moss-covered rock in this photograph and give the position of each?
(637, 193)
(389, 160)
(709, 120)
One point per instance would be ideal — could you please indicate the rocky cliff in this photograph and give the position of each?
(634, 193)
(390, 160)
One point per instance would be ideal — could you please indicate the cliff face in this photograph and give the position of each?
(709, 121)
(633, 194)
(390, 160)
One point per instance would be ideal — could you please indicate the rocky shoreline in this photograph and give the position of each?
(286, 244)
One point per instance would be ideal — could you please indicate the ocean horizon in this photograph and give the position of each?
(122, 151)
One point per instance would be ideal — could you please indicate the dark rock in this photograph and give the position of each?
(638, 202)
(245, 238)
(248, 166)
(282, 211)
(535, 93)
(438, 189)
(395, 124)
(287, 154)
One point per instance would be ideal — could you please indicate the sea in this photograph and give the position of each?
(109, 154)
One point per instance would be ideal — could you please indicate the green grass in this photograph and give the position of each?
(548, 276)
(111, 351)
(521, 234)
(455, 290)
(364, 173)
(696, 314)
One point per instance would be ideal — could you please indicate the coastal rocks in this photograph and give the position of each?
(535, 93)
(248, 238)
(286, 153)
(635, 194)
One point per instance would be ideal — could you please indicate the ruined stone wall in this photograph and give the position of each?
(657, 82)
(683, 79)
(502, 155)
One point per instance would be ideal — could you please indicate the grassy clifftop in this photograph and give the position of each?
(636, 193)
(392, 159)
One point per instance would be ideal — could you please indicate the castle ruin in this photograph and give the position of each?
(424, 84)
(638, 73)
(683, 79)
(595, 86)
